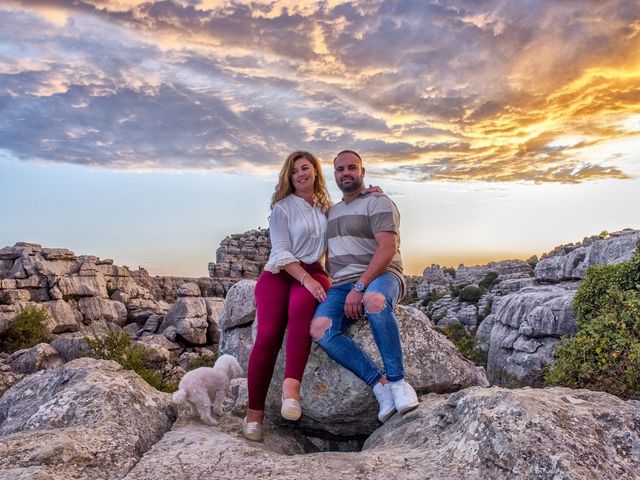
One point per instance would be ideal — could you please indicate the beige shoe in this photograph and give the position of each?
(252, 430)
(291, 409)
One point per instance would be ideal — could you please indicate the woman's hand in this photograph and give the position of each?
(316, 289)
(373, 189)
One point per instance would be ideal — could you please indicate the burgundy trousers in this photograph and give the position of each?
(281, 304)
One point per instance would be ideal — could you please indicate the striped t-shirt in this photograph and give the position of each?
(351, 236)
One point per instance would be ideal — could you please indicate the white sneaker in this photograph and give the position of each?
(404, 396)
(385, 400)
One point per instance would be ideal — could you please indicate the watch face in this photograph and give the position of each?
(358, 287)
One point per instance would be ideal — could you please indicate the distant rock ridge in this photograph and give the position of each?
(518, 310)
(241, 256)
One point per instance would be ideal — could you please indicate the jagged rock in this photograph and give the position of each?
(76, 286)
(139, 310)
(239, 305)
(163, 349)
(71, 346)
(334, 400)
(476, 433)
(8, 378)
(64, 316)
(30, 360)
(526, 327)
(14, 296)
(572, 263)
(189, 316)
(188, 290)
(88, 419)
(241, 256)
(96, 309)
(215, 310)
(237, 342)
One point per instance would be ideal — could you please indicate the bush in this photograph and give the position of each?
(202, 361)
(117, 346)
(470, 294)
(27, 330)
(465, 343)
(489, 281)
(605, 353)
(431, 297)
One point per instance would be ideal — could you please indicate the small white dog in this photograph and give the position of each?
(198, 387)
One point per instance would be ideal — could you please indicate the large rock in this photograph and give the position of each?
(83, 286)
(63, 316)
(30, 360)
(95, 309)
(239, 305)
(476, 434)
(336, 401)
(89, 419)
(525, 328)
(189, 316)
(215, 309)
(571, 262)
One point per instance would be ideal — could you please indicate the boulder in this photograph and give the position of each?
(239, 305)
(10, 296)
(95, 309)
(88, 419)
(83, 286)
(71, 346)
(476, 433)
(64, 316)
(30, 360)
(525, 328)
(8, 377)
(139, 310)
(189, 316)
(215, 309)
(188, 290)
(337, 402)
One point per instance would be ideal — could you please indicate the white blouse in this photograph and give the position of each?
(298, 233)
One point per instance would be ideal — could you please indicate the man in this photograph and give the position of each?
(366, 269)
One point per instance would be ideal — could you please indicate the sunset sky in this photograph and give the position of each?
(148, 131)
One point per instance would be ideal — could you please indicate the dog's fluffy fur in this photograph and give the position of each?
(200, 386)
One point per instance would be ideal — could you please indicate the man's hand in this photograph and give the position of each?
(353, 308)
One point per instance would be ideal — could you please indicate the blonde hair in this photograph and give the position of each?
(284, 186)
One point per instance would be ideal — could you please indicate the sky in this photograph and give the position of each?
(146, 132)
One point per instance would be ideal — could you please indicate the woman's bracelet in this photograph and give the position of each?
(302, 278)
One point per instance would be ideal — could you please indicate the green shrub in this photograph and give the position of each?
(27, 330)
(431, 297)
(117, 346)
(470, 294)
(605, 353)
(489, 281)
(202, 361)
(465, 343)
(450, 271)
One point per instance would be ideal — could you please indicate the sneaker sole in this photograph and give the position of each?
(387, 416)
(409, 408)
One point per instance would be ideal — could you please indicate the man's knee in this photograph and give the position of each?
(374, 302)
(319, 326)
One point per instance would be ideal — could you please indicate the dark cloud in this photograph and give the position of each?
(467, 90)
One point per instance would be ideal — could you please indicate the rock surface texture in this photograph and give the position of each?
(475, 433)
(88, 419)
(523, 307)
(334, 400)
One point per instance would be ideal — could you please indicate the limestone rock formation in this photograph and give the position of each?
(475, 433)
(88, 419)
(334, 400)
(240, 256)
(524, 307)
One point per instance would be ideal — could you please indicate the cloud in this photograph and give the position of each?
(454, 91)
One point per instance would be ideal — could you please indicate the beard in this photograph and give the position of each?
(355, 184)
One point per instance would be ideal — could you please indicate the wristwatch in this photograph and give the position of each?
(359, 287)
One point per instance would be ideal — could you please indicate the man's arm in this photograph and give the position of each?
(385, 251)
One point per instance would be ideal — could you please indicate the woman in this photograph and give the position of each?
(292, 283)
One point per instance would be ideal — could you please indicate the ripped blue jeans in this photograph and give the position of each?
(384, 326)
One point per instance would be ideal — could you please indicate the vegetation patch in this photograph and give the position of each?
(432, 297)
(489, 281)
(118, 346)
(466, 343)
(27, 330)
(604, 355)
(470, 294)
(202, 361)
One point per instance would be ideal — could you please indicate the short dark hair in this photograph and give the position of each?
(348, 151)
